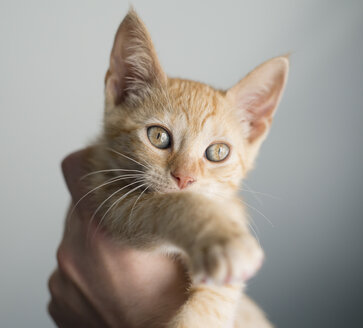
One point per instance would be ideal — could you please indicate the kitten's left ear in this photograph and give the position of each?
(257, 96)
(134, 67)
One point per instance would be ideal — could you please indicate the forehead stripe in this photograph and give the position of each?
(212, 113)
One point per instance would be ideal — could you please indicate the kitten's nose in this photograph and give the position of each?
(182, 180)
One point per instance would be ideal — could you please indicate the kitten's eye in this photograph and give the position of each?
(158, 137)
(217, 152)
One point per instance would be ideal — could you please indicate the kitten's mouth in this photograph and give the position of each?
(163, 189)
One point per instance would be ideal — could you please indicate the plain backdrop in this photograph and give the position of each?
(308, 179)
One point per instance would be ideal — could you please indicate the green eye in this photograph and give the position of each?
(158, 137)
(217, 152)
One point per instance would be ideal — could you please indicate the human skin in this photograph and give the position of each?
(100, 283)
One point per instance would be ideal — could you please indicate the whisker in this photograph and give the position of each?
(109, 181)
(147, 164)
(133, 206)
(253, 194)
(254, 232)
(250, 219)
(114, 193)
(258, 192)
(117, 201)
(131, 159)
(259, 212)
(125, 177)
(109, 170)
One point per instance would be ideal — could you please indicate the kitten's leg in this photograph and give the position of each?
(208, 307)
(249, 315)
(214, 236)
(219, 307)
(217, 243)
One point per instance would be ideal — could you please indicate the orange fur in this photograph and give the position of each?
(139, 201)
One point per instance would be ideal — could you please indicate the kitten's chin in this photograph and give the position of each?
(170, 190)
(164, 190)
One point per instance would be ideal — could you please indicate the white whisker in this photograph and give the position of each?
(109, 170)
(258, 192)
(254, 232)
(133, 206)
(131, 159)
(109, 181)
(117, 201)
(258, 211)
(114, 193)
(253, 194)
(125, 177)
(250, 220)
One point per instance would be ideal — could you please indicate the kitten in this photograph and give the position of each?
(167, 168)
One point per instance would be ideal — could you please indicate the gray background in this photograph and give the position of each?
(52, 62)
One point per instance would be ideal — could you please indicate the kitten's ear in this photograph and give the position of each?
(134, 66)
(257, 95)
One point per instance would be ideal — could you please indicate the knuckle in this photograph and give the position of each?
(63, 258)
(52, 308)
(53, 285)
(54, 312)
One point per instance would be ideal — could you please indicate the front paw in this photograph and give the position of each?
(224, 260)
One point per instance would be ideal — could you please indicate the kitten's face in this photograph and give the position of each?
(188, 138)
(178, 135)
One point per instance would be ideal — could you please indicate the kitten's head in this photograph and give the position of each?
(183, 135)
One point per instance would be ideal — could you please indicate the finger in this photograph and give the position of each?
(69, 307)
(55, 286)
(74, 167)
(53, 310)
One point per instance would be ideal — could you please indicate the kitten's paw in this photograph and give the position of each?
(231, 260)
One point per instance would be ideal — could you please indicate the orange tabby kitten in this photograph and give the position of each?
(167, 167)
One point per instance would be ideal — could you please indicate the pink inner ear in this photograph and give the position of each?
(134, 66)
(262, 105)
(258, 128)
(258, 94)
(259, 113)
(114, 89)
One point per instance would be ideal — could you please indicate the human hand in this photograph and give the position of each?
(99, 283)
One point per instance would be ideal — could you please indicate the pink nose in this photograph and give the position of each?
(182, 180)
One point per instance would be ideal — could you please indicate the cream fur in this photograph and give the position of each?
(140, 204)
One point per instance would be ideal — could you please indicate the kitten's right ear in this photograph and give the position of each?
(134, 66)
(256, 98)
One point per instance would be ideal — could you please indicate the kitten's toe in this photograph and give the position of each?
(218, 264)
(252, 260)
(213, 265)
(233, 261)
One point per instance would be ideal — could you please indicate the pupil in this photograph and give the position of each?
(158, 136)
